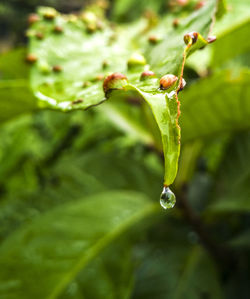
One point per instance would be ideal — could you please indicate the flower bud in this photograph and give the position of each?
(200, 4)
(190, 37)
(154, 39)
(57, 68)
(176, 23)
(89, 17)
(48, 13)
(44, 67)
(147, 75)
(58, 29)
(136, 60)
(167, 81)
(114, 81)
(33, 18)
(31, 58)
(91, 28)
(39, 35)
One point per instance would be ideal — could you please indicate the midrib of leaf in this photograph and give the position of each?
(101, 244)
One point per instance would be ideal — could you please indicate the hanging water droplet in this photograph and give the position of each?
(167, 199)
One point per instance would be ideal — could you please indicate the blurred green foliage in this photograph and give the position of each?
(79, 191)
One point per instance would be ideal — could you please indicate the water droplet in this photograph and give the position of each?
(167, 199)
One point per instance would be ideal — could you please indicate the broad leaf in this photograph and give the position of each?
(83, 56)
(73, 60)
(13, 65)
(216, 104)
(232, 186)
(231, 43)
(80, 58)
(167, 56)
(241, 241)
(110, 275)
(237, 14)
(78, 232)
(177, 271)
(15, 98)
(231, 31)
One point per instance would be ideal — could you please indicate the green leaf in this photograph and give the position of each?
(13, 65)
(180, 271)
(82, 55)
(165, 110)
(232, 203)
(131, 119)
(221, 9)
(78, 231)
(231, 43)
(127, 10)
(110, 275)
(232, 31)
(167, 56)
(215, 105)
(71, 63)
(241, 241)
(237, 14)
(16, 98)
(232, 185)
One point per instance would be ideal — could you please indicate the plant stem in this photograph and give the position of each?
(65, 143)
(59, 149)
(221, 254)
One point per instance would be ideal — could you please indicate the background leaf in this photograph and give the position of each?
(215, 105)
(16, 98)
(29, 249)
(232, 190)
(176, 271)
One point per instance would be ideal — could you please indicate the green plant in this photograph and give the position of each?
(83, 185)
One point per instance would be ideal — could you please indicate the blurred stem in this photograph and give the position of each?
(221, 254)
(65, 143)
(190, 154)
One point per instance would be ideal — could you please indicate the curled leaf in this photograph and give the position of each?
(72, 65)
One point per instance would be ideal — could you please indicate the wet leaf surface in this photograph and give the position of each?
(77, 237)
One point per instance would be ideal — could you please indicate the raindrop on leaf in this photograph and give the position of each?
(167, 199)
